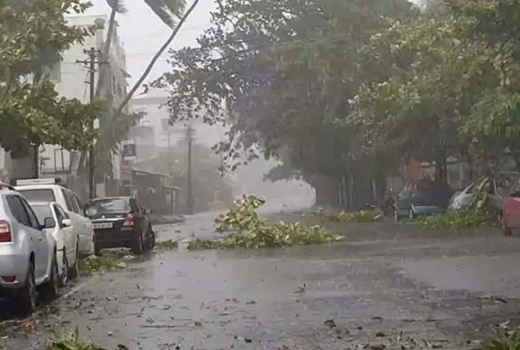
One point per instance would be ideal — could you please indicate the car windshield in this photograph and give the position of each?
(37, 195)
(108, 205)
(42, 211)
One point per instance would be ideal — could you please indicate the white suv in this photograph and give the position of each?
(47, 190)
(28, 258)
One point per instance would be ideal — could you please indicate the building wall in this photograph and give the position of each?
(71, 79)
(156, 115)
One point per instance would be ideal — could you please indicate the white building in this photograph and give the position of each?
(71, 79)
(157, 116)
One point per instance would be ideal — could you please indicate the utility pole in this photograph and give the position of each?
(189, 196)
(90, 63)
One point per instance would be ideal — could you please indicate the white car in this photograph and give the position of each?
(67, 241)
(47, 190)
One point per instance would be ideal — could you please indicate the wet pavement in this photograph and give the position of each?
(385, 280)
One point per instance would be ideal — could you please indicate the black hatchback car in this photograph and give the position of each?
(120, 222)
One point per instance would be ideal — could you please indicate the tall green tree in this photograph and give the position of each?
(281, 74)
(31, 112)
(458, 98)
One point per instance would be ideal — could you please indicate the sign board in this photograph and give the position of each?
(129, 150)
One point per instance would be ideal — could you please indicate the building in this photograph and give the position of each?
(71, 78)
(157, 117)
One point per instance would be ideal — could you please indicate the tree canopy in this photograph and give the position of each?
(31, 112)
(348, 90)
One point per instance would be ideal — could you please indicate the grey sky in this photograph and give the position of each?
(142, 33)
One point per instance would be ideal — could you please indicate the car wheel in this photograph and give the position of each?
(26, 298)
(97, 250)
(74, 269)
(137, 246)
(50, 289)
(151, 239)
(64, 277)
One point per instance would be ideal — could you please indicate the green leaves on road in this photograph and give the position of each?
(94, 263)
(343, 216)
(247, 230)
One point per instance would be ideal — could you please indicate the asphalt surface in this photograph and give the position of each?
(389, 284)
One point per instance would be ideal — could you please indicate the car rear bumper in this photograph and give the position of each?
(13, 266)
(114, 238)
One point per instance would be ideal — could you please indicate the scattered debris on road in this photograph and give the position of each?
(344, 216)
(248, 230)
(94, 264)
(167, 245)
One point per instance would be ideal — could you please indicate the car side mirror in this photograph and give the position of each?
(49, 223)
(66, 223)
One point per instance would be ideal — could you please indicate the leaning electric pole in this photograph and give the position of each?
(190, 132)
(90, 63)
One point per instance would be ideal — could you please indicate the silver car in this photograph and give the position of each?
(28, 262)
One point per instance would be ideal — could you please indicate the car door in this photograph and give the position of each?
(24, 227)
(42, 239)
(68, 232)
(85, 229)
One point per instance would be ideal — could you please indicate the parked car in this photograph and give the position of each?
(28, 254)
(463, 199)
(67, 240)
(48, 190)
(421, 198)
(120, 222)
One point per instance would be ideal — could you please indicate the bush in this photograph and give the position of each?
(247, 230)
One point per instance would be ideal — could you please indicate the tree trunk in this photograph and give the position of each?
(326, 188)
(158, 54)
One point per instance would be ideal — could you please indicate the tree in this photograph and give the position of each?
(281, 74)
(168, 11)
(31, 112)
(461, 87)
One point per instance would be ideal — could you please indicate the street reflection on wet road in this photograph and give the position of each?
(328, 297)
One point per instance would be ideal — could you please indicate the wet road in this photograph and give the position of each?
(385, 280)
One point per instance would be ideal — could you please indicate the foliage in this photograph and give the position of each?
(167, 245)
(505, 339)
(460, 220)
(94, 263)
(31, 112)
(71, 341)
(462, 84)
(344, 216)
(256, 73)
(247, 230)
(349, 90)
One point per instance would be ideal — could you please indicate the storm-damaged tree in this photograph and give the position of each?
(459, 98)
(281, 73)
(31, 112)
(172, 14)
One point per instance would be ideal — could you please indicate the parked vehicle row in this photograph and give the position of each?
(44, 228)
(501, 194)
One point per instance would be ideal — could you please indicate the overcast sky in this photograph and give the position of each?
(143, 33)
